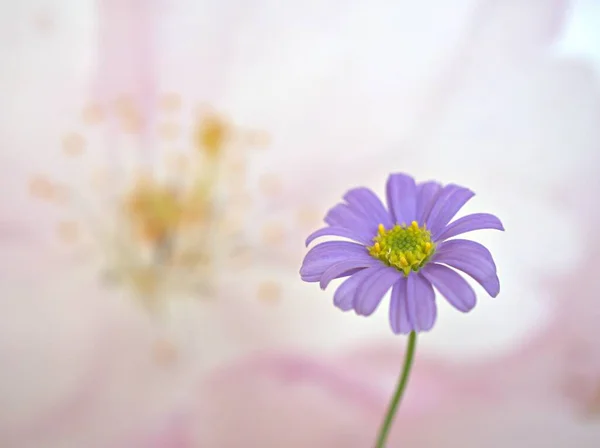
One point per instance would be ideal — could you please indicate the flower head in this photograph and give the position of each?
(162, 229)
(407, 248)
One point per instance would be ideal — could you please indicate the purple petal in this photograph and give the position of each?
(476, 221)
(398, 309)
(420, 299)
(401, 192)
(323, 255)
(342, 215)
(473, 259)
(426, 192)
(373, 288)
(364, 200)
(339, 231)
(450, 246)
(451, 285)
(412, 306)
(344, 295)
(447, 203)
(338, 270)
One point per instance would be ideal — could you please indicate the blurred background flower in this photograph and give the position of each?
(215, 134)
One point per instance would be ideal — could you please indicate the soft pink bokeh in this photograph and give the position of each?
(472, 92)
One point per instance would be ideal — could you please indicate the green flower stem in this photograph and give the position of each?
(389, 417)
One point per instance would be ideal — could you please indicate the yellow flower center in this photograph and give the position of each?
(166, 241)
(154, 210)
(407, 248)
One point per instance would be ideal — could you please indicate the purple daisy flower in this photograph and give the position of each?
(406, 248)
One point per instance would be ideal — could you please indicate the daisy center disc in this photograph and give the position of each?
(407, 248)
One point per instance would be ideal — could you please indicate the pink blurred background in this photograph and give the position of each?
(502, 96)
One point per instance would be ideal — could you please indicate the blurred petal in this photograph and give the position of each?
(342, 215)
(451, 285)
(346, 292)
(373, 288)
(534, 25)
(345, 268)
(473, 259)
(469, 223)
(324, 255)
(447, 203)
(367, 202)
(338, 231)
(421, 302)
(412, 306)
(426, 192)
(401, 192)
(399, 320)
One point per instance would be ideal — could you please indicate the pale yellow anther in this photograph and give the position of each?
(427, 247)
(381, 229)
(377, 247)
(403, 262)
(415, 225)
